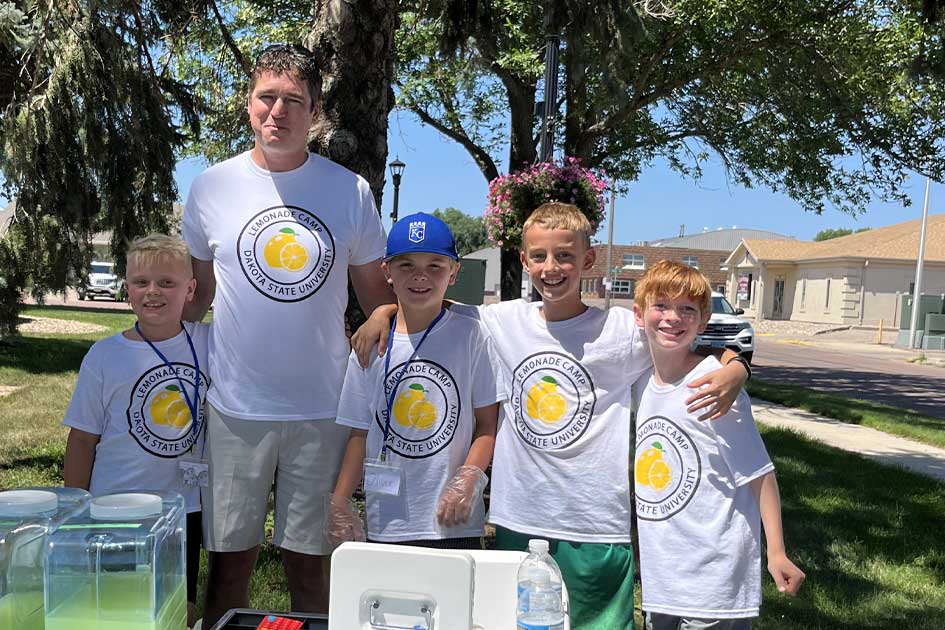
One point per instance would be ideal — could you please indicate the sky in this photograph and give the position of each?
(440, 174)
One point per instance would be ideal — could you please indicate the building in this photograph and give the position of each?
(492, 256)
(861, 278)
(629, 262)
(722, 239)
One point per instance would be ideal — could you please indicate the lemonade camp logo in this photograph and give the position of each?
(425, 410)
(553, 400)
(286, 253)
(158, 417)
(667, 469)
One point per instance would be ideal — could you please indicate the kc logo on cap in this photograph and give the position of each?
(418, 230)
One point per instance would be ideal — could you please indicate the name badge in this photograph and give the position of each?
(194, 473)
(382, 477)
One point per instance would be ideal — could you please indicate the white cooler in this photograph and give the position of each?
(393, 587)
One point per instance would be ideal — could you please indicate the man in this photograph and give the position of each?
(273, 232)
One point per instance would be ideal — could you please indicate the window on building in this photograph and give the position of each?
(633, 261)
(691, 261)
(803, 292)
(827, 297)
(720, 288)
(623, 286)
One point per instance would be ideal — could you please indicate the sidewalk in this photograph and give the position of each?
(876, 445)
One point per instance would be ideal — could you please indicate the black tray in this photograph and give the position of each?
(246, 619)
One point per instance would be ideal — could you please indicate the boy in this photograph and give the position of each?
(561, 467)
(699, 485)
(131, 419)
(426, 414)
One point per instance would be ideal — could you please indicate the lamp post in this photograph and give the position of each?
(396, 170)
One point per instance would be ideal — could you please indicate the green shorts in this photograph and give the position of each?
(599, 577)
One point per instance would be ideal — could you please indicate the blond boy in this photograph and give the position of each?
(699, 485)
(561, 464)
(132, 415)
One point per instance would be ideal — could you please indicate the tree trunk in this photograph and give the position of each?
(354, 43)
(511, 274)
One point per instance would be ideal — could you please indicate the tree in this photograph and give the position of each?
(469, 232)
(823, 100)
(100, 98)
(829, 233)
(91, 118)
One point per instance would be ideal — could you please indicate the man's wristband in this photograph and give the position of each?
(740, 359)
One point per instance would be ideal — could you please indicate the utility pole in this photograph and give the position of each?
(917, 289)
(609, 283)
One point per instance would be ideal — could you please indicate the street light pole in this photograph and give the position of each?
(396, 170)
(609, 284)
(917, 289)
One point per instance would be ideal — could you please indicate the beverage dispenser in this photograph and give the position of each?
(26, 518)
(119, 565)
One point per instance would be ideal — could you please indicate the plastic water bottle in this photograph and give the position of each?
(540, 604)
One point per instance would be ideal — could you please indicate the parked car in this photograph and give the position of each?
(102, 281)
(726, 330)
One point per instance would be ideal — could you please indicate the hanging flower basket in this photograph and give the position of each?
(514, 196)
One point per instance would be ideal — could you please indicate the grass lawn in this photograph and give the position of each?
(870, 414)
(868, 536)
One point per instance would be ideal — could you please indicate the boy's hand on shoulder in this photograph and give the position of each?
(718, 391)
(787, 576)
(374, 332)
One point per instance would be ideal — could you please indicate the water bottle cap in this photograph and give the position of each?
(538, 545)
(133, 505)
(537, 575)
(27, 502)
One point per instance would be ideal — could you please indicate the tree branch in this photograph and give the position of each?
(229, 42)
(482, 159)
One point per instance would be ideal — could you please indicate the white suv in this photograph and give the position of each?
(727, 330)
(101, 281)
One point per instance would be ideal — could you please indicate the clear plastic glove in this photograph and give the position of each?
(342, 522)
(460, 496)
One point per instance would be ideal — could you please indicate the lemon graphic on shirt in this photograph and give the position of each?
(412, 409)
(282, 251)
(168, 408)
(652, 470)
(544, 402)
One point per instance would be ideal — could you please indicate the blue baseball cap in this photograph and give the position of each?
(420, 232)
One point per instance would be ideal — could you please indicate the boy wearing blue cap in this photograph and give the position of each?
(423, 418)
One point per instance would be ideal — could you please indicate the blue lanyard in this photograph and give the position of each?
(191, 404)
(393, 391)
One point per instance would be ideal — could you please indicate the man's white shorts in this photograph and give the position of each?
(303, 457)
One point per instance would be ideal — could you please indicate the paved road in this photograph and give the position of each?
(864, 371)
(72, 300)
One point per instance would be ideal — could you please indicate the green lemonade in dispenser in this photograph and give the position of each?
(119, 565)
(26, 519)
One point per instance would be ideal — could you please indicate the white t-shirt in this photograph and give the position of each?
(281, 244)
(698, 522)
(127, 395)
(454, 372)
(561, 465)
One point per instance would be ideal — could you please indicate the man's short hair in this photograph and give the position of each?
(289, 58)
(674, 280)
(555, 215)
(149, 249)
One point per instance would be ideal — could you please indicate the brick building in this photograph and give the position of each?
(631, 261)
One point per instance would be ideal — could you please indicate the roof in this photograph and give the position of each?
(721, 239)
(894, 242)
